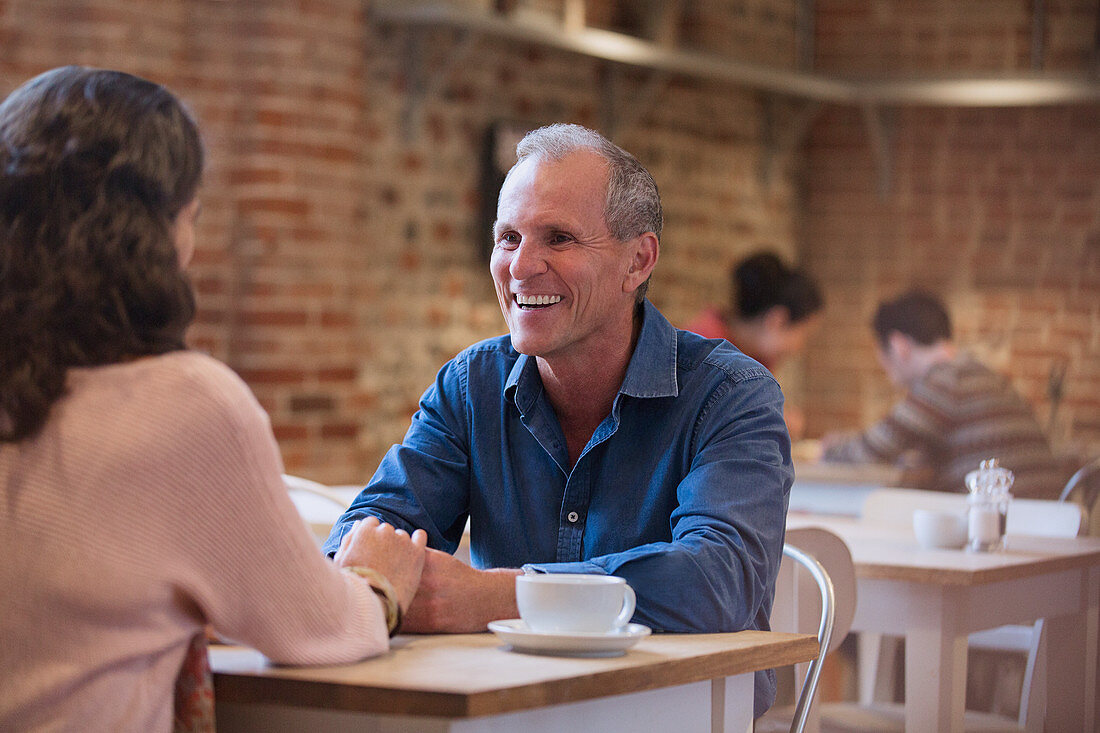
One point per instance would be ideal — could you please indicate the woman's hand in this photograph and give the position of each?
(392, 552)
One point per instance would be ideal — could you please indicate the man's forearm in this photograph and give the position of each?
(455, 598)
(498, 595)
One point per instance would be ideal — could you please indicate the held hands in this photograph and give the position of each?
(455, 598)
(450, 596)
(392, 552)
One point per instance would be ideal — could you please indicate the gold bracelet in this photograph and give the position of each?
(385, 591)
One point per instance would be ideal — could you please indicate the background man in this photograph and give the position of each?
(595, 438)
(955, 413)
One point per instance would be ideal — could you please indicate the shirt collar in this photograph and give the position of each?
(652, 369)
(525, 370)
(651, 372)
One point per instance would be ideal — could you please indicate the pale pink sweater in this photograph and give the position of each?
(151, 504)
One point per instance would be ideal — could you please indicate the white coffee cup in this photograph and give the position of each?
(572, 603)
(939, 529)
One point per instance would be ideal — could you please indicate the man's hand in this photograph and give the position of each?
(455, 598)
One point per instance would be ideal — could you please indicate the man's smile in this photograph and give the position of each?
(529, 302)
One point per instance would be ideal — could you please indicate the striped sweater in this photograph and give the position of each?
(958, 414)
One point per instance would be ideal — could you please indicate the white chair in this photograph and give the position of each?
(318, 505)
(321, 505)
(876, 653)
(1083, 488)
(815, 593)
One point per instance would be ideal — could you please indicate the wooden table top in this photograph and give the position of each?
(469, 675)
(892, 553)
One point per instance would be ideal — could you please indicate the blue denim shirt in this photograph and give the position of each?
(682, 490)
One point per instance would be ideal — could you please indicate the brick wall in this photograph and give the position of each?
(998, 210)
(340, 261)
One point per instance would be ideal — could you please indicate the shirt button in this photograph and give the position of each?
(573, 516)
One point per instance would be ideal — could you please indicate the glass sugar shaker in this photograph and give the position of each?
(987, 506)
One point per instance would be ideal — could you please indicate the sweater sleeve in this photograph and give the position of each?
(913, 424)
(250, 564)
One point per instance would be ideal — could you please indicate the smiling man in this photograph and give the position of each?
(595, 437)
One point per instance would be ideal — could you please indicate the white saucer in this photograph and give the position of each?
(521, 638)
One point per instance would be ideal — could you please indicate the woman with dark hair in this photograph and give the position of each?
(774, 308)
(140, 485)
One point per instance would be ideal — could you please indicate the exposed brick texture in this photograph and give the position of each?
(341, 260)
(340, 263)
(997, 210)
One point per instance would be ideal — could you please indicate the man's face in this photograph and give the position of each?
(563, 280)
(780, 339)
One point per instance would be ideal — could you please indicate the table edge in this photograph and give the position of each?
(980, 576)
(241, 687)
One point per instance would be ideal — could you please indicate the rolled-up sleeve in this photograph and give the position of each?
(423, 482)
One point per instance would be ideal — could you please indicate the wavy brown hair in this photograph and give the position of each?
(95, 166)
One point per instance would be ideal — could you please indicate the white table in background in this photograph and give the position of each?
(935, 598)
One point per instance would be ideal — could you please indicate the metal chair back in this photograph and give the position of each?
(824, 633)
(816, 589)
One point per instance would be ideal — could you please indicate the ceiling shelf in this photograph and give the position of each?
(1032, 89)
(877, 98)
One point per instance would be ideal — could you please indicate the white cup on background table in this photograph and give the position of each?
(939, 529)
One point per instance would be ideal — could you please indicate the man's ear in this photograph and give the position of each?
(646, 250)
(901, 346)
(777, 317)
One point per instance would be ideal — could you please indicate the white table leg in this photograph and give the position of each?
(1072, 674)
(876, 656)
(935, 666)
(728, 711)
(868, 648)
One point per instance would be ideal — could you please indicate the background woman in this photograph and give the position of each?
(773, 309)
(140, 489)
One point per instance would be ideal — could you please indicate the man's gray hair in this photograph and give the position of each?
(633, 205)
